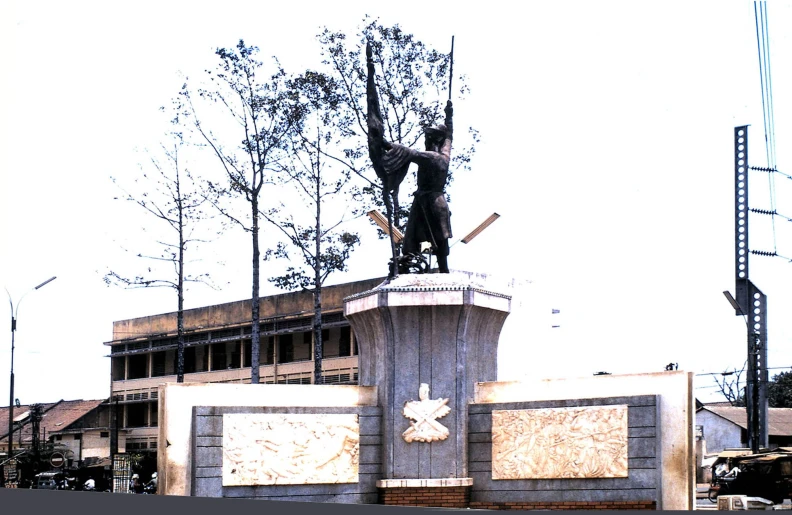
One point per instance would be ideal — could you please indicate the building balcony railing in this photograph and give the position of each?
(342, 370)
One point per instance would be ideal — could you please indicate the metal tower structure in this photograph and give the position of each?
(750, 302)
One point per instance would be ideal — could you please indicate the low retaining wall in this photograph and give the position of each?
(208, 458)
(640, 488)
(674, 390)
(616, 442)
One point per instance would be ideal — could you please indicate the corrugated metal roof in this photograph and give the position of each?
(779, 420)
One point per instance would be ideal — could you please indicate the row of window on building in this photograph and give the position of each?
(78, 436)
(235, 354)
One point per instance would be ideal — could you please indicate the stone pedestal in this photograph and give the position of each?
(438, 330)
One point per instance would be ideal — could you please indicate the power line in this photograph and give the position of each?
(770, 102)
(766, 83)
(765, 79)
(732, 372)
(772, 212)
(769, 170)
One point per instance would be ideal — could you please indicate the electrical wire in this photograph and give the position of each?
(765, 80)
(732, 372)
(770, 102)
(769, 170)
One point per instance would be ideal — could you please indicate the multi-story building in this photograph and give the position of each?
(218, 350)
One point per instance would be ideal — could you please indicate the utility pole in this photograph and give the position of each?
(14, 313)
(750, 302)
(113, 427)
(35, 428)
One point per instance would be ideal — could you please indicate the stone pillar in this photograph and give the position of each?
(439, 330)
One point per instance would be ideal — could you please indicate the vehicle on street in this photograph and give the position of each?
(767, 474)
(49, 480)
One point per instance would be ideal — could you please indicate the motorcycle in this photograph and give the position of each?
(720, 486)
(68, 483)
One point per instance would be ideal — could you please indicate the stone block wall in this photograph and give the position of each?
(208, 458)
(639, 490)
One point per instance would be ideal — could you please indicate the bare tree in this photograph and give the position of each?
(729, 385)
(262, 111)
(170, 194)
(322, 246)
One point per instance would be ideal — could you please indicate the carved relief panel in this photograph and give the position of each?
(290, 449)
(423, 415)
(579, 442)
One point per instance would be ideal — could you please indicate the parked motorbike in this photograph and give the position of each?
(720, 486)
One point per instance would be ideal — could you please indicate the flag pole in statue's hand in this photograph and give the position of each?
(451, 70)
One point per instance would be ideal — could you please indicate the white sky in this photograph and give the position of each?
(607, 148)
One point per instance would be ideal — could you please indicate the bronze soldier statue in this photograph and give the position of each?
(429, 219)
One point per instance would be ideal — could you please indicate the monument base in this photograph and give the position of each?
(432, 493)
(425, 341)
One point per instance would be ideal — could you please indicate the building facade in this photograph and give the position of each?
(726, 427)
(79, 432)
(86, 439)
(218, 350)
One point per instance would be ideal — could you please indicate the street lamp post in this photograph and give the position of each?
(14, 314)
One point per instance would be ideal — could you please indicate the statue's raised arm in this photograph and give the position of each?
(390, 170)
(390, 173)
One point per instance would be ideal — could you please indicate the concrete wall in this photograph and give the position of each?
(719, 433)
(643, 444)
(677, 413)
(208, 459)
(90, 445)
(96, 446)
(177, 400)
(68, 442)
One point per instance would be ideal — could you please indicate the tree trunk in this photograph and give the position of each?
(180, 288)
(317, 330)
(317, 321)
(255, 337)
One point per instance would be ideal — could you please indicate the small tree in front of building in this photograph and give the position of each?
(321, 190)
(168, 193)
(253, 113)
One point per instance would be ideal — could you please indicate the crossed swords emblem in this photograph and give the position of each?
(425, 413)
